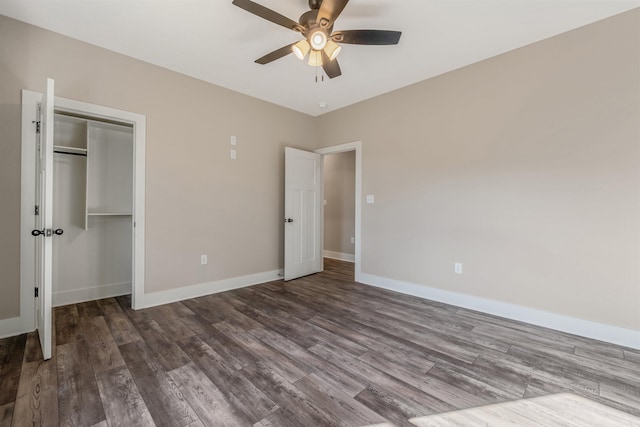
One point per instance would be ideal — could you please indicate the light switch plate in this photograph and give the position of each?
(457, 267)
(370, 199)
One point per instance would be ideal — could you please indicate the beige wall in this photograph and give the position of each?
(340, 208)
(10, 116)
(198, 200)
(524, 167)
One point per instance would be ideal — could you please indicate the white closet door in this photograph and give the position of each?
(44, 246)
(303, 213)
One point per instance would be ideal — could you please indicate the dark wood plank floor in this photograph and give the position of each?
(317, 351)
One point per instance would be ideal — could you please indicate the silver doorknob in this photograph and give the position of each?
(288, 220)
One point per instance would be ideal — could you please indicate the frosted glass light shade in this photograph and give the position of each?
(315, 58)
(301, 49)
(332, 49)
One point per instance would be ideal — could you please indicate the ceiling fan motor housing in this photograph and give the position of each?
(308, 18)
(308, 22)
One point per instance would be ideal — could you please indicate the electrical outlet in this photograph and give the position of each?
(234, 140)
(203, 260)
(234, 154)
(353, 240)
(457, 268)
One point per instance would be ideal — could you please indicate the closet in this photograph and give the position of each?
(93, 199)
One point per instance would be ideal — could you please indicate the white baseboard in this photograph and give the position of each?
(599, 331)
(613, 334)
(90, 294)
(201, 289)
(16, 326)
(20, 325)
(339, 256)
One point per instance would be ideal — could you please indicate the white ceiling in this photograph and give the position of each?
(217, 42)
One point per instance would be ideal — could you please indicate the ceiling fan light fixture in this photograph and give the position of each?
(315, 58)
(332, 49)
(318, 40)
(301, 49)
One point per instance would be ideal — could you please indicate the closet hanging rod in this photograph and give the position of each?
(71, 154)
(91, 119)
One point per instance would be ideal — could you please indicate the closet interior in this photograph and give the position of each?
(93, 200)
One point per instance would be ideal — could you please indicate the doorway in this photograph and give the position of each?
(339, 206)
(30, 140)
(356, 148)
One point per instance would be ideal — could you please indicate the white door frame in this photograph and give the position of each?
(30, 101)
(342, 148)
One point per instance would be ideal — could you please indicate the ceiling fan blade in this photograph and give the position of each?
(331, 67)
(276, 54)
(329, 12)
(367, 37)
(267, 14)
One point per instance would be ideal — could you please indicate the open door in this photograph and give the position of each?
(44, 220)
(303, 213)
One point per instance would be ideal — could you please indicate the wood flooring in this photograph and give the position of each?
(317, 351)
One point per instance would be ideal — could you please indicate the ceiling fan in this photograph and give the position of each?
(320, 41)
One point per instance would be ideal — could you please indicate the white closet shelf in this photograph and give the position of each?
(109, 213)
(70, 149)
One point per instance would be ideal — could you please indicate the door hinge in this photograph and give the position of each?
(37, 125)
(36, 211)
(36, 292)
